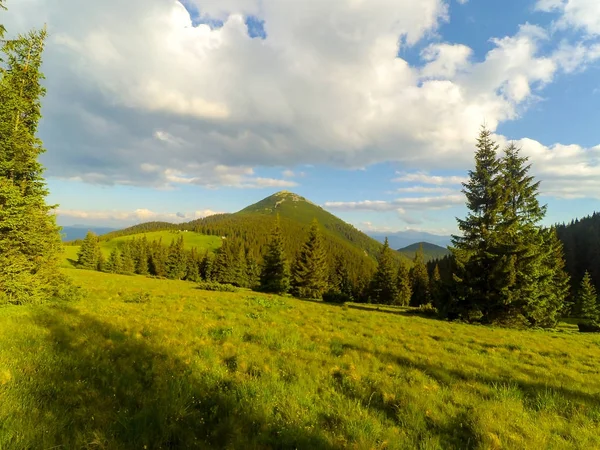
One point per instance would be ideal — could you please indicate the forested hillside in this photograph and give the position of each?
(581, 242)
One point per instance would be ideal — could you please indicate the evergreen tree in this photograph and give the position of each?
(193, 266)
(206, 267)
(404, 284)
(482, 271)
(89, 253)
(436, 287)
(275, 277)
(114, 262)
(157, 260)
(309, 273)
(383, 287)
(341, 282)
(419, 280)
(252, 271)
(587, 299)
(226, 267)
(127, 262)
(141, 260)
(176, 260)
(30, 242)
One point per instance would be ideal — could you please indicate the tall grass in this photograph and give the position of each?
(143, 363)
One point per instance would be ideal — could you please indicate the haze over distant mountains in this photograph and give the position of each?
(78, 231)
(401, 239)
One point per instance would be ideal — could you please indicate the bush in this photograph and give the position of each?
(589, 326)
(218, 287)
(336, 297)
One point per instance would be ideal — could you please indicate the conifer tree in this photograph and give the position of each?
(419, 280)
(127, 262)
(193, 265)
(30, 242)
(404, 284)
(341, 282)
(113, 264)
(89, 255)
(206, 267)
(309, 272)
(275, 276)
(481, 269)
(436, 287)
(383, 287)
(587, 299)
(176, 260)
(157, 260)
(252, 271)
(141, 260)
(225, 265)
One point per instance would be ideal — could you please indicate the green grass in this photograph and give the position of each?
(143, 363)
(190, 240)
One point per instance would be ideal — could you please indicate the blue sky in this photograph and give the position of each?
(160, 110)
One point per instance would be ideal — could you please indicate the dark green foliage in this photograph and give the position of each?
(274, 275)
(508, 269)
(229, 266)
(587, 300)
(193, 266)
(310, 272)
(436, 289)
(127, 261)
(339, 280)
(157, 260)
(581, 241)
(218, 287)
(383, 286)
(419, 279)
(480, 268)
(141, 256)
(252, 271)
(206, 267)
(30, 242)
(336, 297)
(114, 264)
(404, 284)
(176, 260)
(89, 256)
(589, 326)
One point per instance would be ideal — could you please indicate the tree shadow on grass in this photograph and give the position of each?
(92, 385)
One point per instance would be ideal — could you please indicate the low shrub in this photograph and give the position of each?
(217, 287)
(589, 326)
(336, 297)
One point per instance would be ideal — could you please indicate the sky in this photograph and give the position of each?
(175, 110)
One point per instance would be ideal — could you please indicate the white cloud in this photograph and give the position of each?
(400, 204)
(425, 178)
(131, 217)
(425, 190)
(584, 14)
(325, 86)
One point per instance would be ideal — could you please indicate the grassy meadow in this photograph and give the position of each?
(144, 363)
(190, 240)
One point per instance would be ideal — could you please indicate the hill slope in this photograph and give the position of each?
(430, 251)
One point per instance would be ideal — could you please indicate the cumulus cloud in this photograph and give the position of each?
(425, 178)
(584, 14)
(139, 95)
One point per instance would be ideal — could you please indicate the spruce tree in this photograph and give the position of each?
(404, 284)
(419, 280)
(436, 287)
(193, 265)
(141, 260)
(89, 255)
(127, 262)
(113, 264)
(275, 276)
(252, 271)
(225, 264)
(587, 299)
(482, 271)
(30, 242)
(309, 272)
(157, 260)
(176, 259)
(383, 287)
(341, 282)
(206, 267)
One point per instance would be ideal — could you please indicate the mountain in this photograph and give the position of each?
(73, 232)
(401, 239)
(251, 228)
(430, 251)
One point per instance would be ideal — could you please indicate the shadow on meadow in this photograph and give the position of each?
(92, 385)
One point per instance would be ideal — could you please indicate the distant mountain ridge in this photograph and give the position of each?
(74, 232)
(430, 251)
(401, 239)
